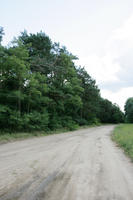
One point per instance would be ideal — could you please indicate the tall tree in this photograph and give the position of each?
(90, 96)
(1, 34)
(129, 110)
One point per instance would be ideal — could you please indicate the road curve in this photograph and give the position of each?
(80, 165)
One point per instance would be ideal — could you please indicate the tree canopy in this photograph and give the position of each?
(129, 110)
(41, 88)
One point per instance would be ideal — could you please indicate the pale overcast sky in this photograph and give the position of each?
(99, 32)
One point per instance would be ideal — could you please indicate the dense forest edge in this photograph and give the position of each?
(41, 88)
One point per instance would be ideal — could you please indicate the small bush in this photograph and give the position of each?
(94, 121)
(55, 122)
(81, 121)
(69, 123)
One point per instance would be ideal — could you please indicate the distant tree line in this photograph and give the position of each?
(129, 110)
(41, 88)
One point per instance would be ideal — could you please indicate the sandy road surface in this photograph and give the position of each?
(81, 165)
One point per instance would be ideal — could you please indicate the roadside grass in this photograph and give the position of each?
(13, 136)
(123, 136)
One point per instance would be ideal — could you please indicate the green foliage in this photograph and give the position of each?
(69, 123)
(95, 121)
(123, 135)
(109, 113)
(129, 110)
(1, 33)
(42, 89)
(90, 96)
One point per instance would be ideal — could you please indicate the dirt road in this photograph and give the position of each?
(81, 165)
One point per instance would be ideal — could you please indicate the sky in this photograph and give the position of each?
(99, 32)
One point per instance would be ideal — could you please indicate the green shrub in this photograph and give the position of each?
(81, 121)
(94, 121)
(69, 123)
(38, 121)
(55, 122)
(14, 121)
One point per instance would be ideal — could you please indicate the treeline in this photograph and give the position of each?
(129, 110)
(41, 88)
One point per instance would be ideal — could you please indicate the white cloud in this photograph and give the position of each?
(103, 69)
(118, 97)
(125, 32)
(113, 71)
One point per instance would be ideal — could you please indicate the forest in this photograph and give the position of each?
(41, 88)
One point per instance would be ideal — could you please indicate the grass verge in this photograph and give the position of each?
(9, 137)
(123, 136)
